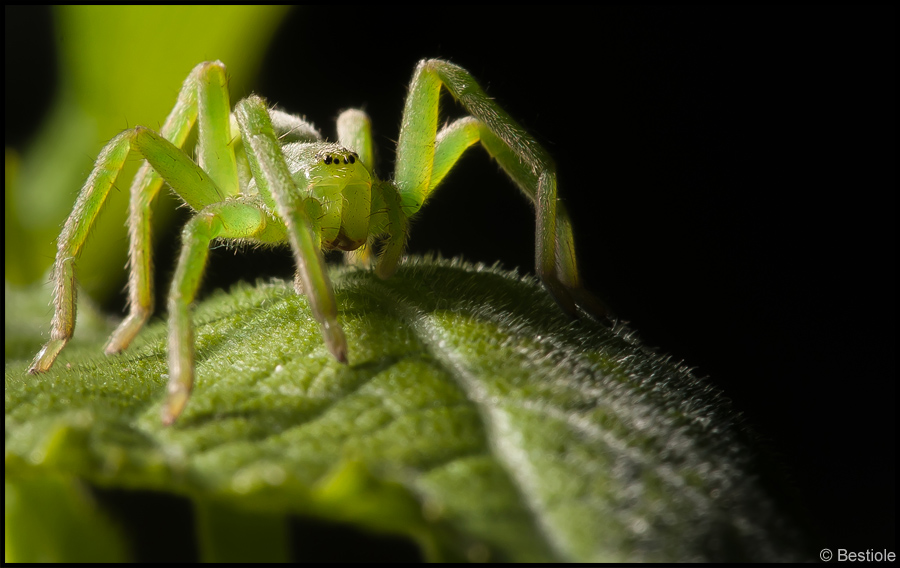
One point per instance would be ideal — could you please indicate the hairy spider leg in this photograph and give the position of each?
(144, 188)
(233, 219)
(241, 217)
(424, 156)
(385, 215)
(279, 192)
(458, 136)
(354, 129)
(203, 99)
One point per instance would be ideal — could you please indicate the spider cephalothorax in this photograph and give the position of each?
(340, 186)
(273, 179)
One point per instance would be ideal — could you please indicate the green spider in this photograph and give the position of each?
(263, 176)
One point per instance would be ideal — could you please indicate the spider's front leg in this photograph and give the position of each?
(278, 190)
(424, 156)
(234, 219)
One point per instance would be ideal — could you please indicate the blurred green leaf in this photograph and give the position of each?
(120, 66)
(474, 418)
(50, 517)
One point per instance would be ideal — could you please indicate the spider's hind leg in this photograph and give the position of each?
(71, 239)
(424, 156)
(204, 94)
(145, 187)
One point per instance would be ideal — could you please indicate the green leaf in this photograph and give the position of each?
(51, 518)
(474, 417)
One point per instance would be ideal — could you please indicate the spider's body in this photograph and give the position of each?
(265, 176)
(338, 192)
(342, 185)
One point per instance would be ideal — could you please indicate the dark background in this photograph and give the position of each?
(730, 174)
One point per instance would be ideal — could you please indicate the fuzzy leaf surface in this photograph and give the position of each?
(474, 417)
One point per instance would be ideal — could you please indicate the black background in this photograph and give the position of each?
(730, 174)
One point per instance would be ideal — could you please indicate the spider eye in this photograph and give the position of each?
(327, 158)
